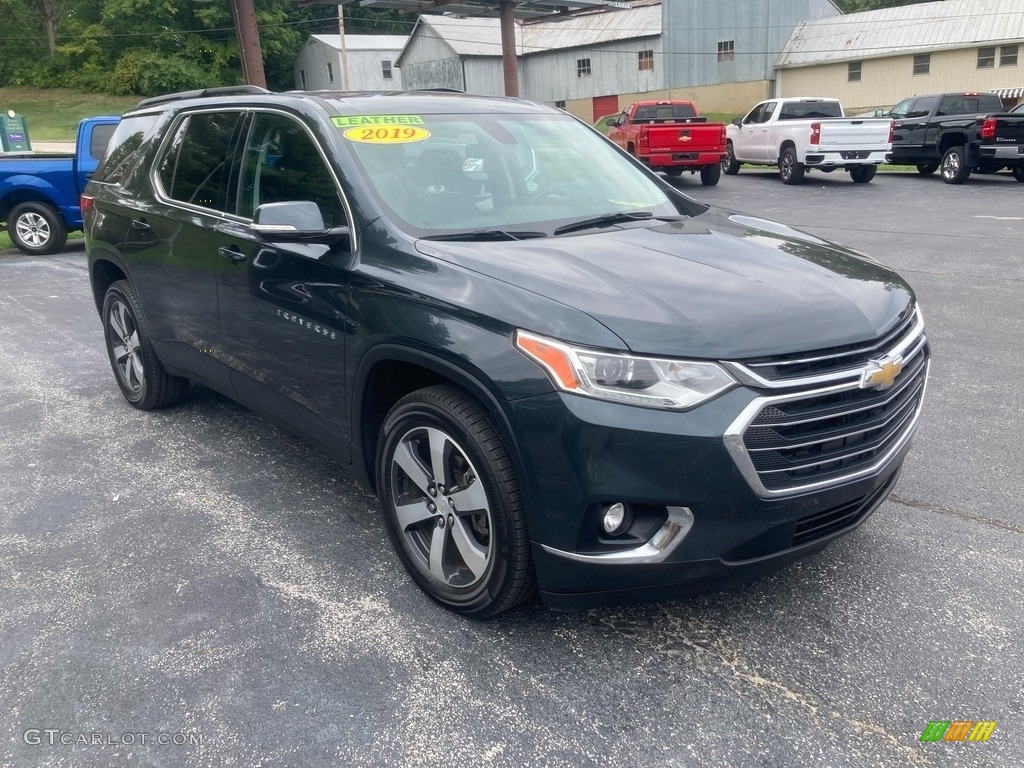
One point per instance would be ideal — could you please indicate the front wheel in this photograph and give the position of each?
(730, 165)
(862, 174)
(37, 228)
(790, 171)
(954, 166)
(710, 174)
(142, 379)
(1018, 172)
(452, 503)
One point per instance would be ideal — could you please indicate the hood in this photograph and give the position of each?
(719, 285)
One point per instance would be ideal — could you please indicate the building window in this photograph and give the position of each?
(560, 104)
(853, 72)
(922, 63)
(582, 67)
(330, 72)
(987, 57)
(1008, 55)
(302, 78)
(645, 60)
(726, 50)
(385, 68)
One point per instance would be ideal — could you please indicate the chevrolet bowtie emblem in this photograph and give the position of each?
(882, 373)
(685, 137)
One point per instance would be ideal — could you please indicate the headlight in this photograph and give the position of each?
(625, 378)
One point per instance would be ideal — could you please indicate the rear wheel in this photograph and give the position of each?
(452, 503)
(730, 165)
(37, 228)
(790, 171)
(927, 169)
(1018, 172)
(710, 174)
(142, 379)
(954, 166)
(862, 174)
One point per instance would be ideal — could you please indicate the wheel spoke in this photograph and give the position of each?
(119, 352)
(134, 340)
(437, 547)
(410, 464)
(471, 499)
(473, 553)
(439, 450)
(412, 513)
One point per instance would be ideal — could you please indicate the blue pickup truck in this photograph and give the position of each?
(39, 194)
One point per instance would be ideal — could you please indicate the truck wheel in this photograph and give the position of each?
(139, 374)
(790, 171)
(452, 503)
(710, 174)
(730, 165)
(862, 174)
(927, 169)
(954, 166)
(678, 171)
(37, 228)
(1018, 172)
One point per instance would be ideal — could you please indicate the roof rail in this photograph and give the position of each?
(225, 90)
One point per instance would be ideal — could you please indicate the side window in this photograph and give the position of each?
(900, 110)
(282, 163)
(194, 170)
(99, 140)
(755, 115)
(124, 148)
(922, 107)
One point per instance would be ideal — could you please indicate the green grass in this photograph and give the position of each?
(5, 241)
(52, 114)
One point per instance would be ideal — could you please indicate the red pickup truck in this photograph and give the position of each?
(671, 136)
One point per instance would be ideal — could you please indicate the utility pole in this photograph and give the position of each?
(508, 47)
(249, 43)
(344, 49)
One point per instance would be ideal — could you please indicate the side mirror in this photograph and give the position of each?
(295, 221)
(881, 113)
(737, 121)
(612, 122)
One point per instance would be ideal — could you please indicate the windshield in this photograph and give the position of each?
(456, 173)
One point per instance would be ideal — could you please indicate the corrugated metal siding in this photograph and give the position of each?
(614, 68)
(884, 82)
(758, 28)
(486, 76)
(364, 42)
(429, 62)
(909, 28)
(365, 71)
(592, 29)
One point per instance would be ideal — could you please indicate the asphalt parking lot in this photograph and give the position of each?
(193, 587)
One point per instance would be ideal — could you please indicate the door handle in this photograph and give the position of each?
(141, 225)
(232, 254)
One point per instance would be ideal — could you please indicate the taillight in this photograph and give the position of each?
(86, 202)
(988, 128)
(815, 133)
(892, 132)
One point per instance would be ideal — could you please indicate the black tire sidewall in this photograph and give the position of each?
(58, 230)
(122, 291)
(414, 412)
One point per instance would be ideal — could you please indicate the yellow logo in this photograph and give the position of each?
(883, 374)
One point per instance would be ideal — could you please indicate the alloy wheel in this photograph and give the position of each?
(124, 343)
(33, 229)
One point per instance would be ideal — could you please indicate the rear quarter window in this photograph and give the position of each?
(194, 169)
(123, 149)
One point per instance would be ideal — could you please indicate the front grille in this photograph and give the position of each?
(827, 522)
(796, 441)
(831, 359)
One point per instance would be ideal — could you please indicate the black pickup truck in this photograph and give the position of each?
(960, 133)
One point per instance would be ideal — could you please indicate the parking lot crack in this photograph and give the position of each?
(988, 522)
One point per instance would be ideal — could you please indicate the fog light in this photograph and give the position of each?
(614, 517)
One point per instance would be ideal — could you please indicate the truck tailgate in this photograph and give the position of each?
(856, 133)
(684, 137)
(1010, 130)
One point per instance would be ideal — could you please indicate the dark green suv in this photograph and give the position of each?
(554, 369)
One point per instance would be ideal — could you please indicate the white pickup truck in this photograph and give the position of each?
(798, 134)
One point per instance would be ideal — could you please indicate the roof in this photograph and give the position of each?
(904, 30)
(364, 42)
(481, 36)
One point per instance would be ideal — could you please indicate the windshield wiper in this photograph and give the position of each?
(613, 218)
(480, 235)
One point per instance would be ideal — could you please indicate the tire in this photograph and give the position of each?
(954, 166)
(862, 174)
(730, 165)
(467, 548)
(927, 169)
(139, 375)
(790, 171)
(677, 171)
(37, 228)
(1018, 172)
(710, 174)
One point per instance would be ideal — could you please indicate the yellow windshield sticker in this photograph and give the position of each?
(390, 135)
(351, 121)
